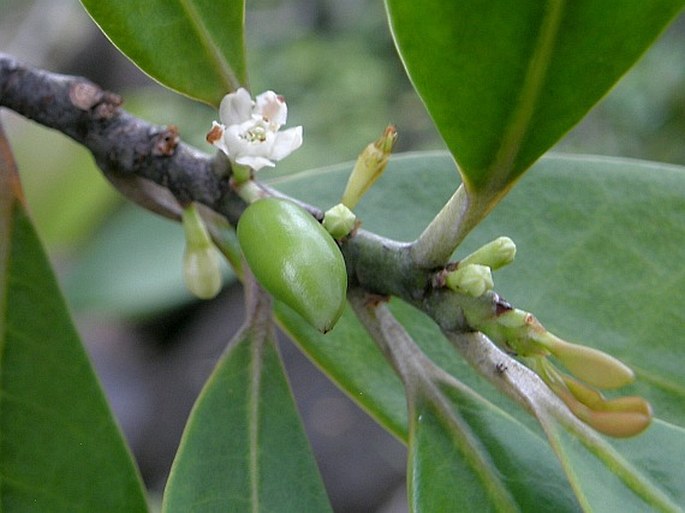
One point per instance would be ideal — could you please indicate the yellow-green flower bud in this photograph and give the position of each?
(494, 254)
(619, 424)
(620, 417)
(369, 167)
(201, 271)
(339, 221)
(591, 365)
(472, 279)
(523, 333)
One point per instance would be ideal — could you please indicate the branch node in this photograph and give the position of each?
(165, 142)
(85, 96)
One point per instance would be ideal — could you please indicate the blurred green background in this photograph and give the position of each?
(120, 266)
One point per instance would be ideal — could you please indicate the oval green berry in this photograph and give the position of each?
(295, 259)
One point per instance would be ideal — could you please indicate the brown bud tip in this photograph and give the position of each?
(215, 133)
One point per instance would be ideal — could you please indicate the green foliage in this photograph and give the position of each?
(566, 206)
(195, 47)
(504, 81)
(244, 448)
(614, 486)
(60, 449)
(598, 241)
(440, 441)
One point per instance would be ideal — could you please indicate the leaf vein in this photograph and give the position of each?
(532, 87)
(215, 54)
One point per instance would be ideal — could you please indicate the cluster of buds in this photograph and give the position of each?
(520, 333)
(473, 275)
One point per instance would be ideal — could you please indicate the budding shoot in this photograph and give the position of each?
(369, 167)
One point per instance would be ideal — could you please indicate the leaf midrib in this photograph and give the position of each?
(500, 170)
(223, 68)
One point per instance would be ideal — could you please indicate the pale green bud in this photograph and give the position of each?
(339, 221)
(515, 318)
(494, 254)
(473, 279)
(201, 271)
(369, 167)
(619, 424)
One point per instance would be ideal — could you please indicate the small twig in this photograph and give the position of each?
(152, 166)
(449, 228)
(125, 148)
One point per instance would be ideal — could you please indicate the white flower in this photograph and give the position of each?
(249, 132)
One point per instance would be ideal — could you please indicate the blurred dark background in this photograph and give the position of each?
(120, 267)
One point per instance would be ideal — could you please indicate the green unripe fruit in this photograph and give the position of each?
(295, 259)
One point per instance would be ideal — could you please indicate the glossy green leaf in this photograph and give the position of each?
(244, 448)
(447, 470)
(663, 442)
(476, 458)
(505, 80)
(353, 361)
(60, 450)
(599, 241)
(195, 47)
(614, 486)
(54, 175)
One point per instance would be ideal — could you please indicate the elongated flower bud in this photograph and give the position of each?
(620, 417)
(201, 271)
(369, 167)
(591, 365)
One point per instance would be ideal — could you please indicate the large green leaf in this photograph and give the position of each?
(448, 470)
(477, 458)
(60, 450)
(601, 237)
(195, 47)
(244, 448)
(616, 486)
(504, 80)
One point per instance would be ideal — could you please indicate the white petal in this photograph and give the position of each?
(234, 144)
(236, 107)
(255, 163)
(286, 142)
(272, 108)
